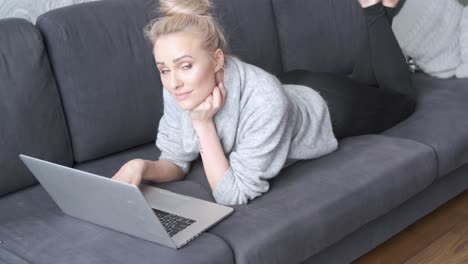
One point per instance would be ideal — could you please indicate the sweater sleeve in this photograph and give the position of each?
(260, 153)
(169, 138)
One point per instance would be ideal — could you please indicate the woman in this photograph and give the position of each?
(243, 122)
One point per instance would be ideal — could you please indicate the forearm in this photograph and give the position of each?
(215, 162)
(161, 171)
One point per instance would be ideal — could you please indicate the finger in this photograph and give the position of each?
(216, 97)
(221, 96)
(200, 106)
(223, 91)
(209, 98)
(222, 88)
(205, 105)
(117, 179)
(134, 181)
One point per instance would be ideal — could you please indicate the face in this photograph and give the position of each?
(187, 69)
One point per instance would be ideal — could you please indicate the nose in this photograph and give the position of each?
(174, 81)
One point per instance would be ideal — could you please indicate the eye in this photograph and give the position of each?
(186, 67)
(163, 72)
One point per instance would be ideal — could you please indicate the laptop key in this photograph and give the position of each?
(173, 223)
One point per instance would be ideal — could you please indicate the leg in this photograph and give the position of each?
(386, 58)
(392, 7)
(363, 70)
(355, 108)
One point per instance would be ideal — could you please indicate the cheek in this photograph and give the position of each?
(202, 79)
(164, 82)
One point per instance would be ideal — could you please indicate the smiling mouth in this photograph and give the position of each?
(182, 96)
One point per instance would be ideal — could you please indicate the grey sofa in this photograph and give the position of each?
(80, 89)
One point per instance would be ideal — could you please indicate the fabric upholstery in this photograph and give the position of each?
(383, 228)
(195, 185)
(105, 116)
(34, 230)
(440, 120)
(106, 74)
(319, 36)
(316, 217)
(31, 115)
(109, 165)
(315, 203)
(31, 9)
(462, 70)
(251, 31)
(100, 58)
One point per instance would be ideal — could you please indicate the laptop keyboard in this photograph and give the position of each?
(173, 223)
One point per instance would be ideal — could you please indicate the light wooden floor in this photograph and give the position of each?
(441, 237)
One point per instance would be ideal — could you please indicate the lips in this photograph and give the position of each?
(182, 96)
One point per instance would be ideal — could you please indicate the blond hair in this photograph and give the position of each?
(193, 15)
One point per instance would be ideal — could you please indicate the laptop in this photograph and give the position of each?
(147, 212)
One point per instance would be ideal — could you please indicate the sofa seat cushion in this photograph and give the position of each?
(34, 230)
(440, 120)
(313, 204)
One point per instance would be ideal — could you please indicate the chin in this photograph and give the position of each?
(186, 106)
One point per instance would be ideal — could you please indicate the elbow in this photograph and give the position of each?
(230, 201)
(180, 175)
(234, 196)
(234, 189)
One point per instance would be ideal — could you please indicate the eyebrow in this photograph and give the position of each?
(175, 60)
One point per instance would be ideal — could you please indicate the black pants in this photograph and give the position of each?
(378, 95)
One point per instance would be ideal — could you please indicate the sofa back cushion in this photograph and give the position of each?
(249, 27)
(105, 71)
(32, 120)
(251, 31)
(110, 87)
(320, 36)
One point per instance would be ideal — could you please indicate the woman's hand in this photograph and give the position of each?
(204, 112)
(131, 172)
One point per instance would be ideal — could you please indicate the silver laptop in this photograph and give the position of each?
(147, 212)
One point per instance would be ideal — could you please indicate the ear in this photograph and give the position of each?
(219, 59)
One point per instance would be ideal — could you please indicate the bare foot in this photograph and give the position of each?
(367, 3)
(390, 3)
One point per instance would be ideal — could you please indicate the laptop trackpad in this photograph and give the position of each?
(159, 198)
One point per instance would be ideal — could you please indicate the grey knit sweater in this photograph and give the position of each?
(263, 126)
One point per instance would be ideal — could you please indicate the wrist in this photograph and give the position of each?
(140, 166)
(203, 126)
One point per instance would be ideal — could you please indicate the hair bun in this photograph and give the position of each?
(184, 7)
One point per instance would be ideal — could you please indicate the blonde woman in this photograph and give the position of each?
(243, 122)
